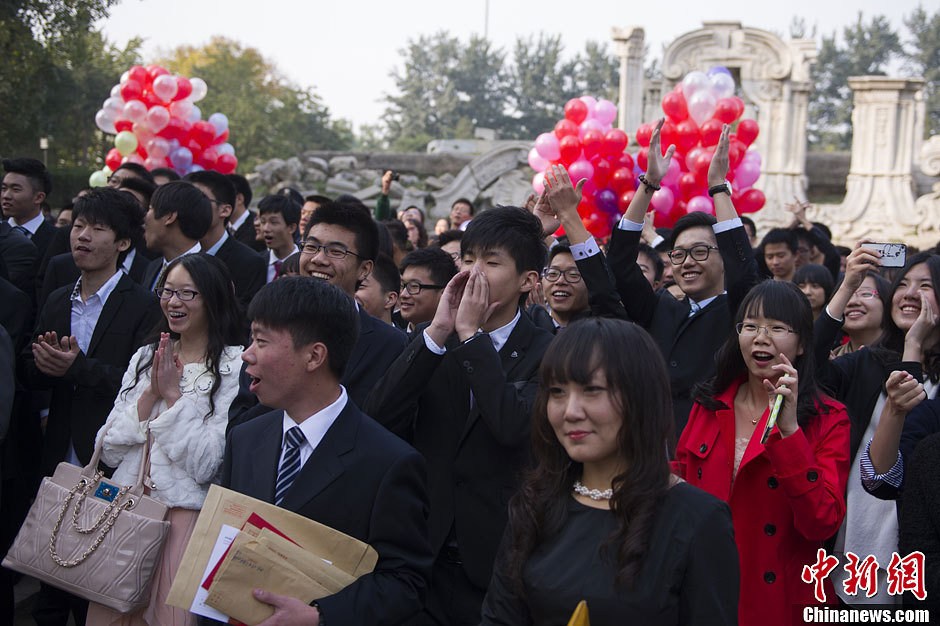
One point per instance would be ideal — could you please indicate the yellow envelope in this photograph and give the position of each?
(580, 616)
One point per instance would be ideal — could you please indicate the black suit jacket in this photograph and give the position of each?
(16, 313)
(84, 396)
(249, 269)
(362, 481)
(688, 344)
(43, 237)
(19, 258)
(474, 454)
(61, 270)
(379, 344)
(246, 234)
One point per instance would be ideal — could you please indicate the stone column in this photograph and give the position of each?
(629, 47)
(879, 199)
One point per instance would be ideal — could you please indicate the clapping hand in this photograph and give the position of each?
(718, 168)
(53, 356)
(540, 208)
(657, 163)
(165, 372)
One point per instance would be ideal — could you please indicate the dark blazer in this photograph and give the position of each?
(19, 257)
(360, 480)
(84, 396)
(59, 244)
(379, 344)
(43, 237)
(249, 269)
(246, 234)
(62, 271)
(474, 454)
(16, 313)
(688, 344)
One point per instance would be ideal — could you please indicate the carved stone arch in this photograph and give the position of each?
(495, 177)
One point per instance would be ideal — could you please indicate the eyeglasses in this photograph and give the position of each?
(552, 274)
(414, 287)
(164, 293)
(866, 294)
(752, 330)
(699, 253)
(332, 250)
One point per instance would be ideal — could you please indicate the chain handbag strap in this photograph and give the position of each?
(83, 494)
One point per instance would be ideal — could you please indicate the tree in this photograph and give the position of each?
(541, 82)
(865, 49)
(598, 72)
(922, 55)
(268, 116)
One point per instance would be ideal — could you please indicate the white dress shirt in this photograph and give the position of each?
(314, 427)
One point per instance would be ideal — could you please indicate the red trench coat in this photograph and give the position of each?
(787, 499)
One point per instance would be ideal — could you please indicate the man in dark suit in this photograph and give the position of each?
(247, 267)
(340, 248)
(462, 392)
(242, 221)
(86, 336)
(318, 455)
(26, 185)
(178, 217)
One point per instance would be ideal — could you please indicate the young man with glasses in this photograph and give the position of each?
(424, 274)
(566, 295)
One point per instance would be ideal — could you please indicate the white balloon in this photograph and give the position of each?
(114, 105)
(693, 82)
(181, 108)
(200, 89)
(105, 121)
(126, 76)
(220, 122)
(116, 91)
(135, 110)
(225, 148)
(701, 106)
(722, 85)
(195, 114)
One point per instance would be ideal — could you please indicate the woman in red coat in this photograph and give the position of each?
(787, 496)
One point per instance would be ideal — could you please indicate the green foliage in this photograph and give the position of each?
(922, 55)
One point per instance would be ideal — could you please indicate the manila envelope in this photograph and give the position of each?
(223, 506)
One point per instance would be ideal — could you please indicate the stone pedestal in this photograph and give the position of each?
(629, 48)
(879, 200)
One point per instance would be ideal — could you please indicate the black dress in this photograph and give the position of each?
(690, 574)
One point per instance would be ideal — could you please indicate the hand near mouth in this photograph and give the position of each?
(788, 387)
(920, 331)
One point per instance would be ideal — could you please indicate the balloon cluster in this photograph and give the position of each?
(695, 112)
(156, 123)
(587, 145)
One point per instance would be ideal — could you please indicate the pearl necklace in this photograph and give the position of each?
(593, 494)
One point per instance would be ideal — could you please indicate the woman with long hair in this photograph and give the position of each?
(865, 314)
(786, 493)
(179, 389)
(600, 518)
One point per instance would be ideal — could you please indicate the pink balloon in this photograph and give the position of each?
(158, 148)
(590, 124)
(691, 156)
(591, 103)
(746, 174)
(135, 111)
(134, 158)
(157, 118)
(580, 169)
(663, 200)
(546, 145)
(538, 183)
(536, 161)
(165, 87)
(671, 179)
(152, 163)
(701, 204)
(605, 112)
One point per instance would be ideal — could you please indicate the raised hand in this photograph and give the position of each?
(562, 196)
(168, 370)
(442, 326)
(718, 169)
(657, 162)
(904, 391)
(475, 306)
(540, 208)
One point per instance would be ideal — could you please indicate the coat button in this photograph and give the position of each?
(769, 577)
(699, 472)
(812, 476)
(703, 448)
(772, 482)
(770, 530)
(466, 363)
(673, 364)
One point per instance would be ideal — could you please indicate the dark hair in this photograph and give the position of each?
(141, 186)
(387, 275)
(283, 205)
(241, 187)
(355, 221)
(292, 194)
(658, 266)
(118, 211)
(353, 202)
(221, 187)
(749, 222)
(813, 273)
(192, 207)
(637, 380)
(32, 169)
(557, 249)
(691, 220)
(138, 169)
(422, 234)
(780, 235)
(223, 314)
(311, 311)
(438, 263)
(449, 235)
(778, 300)
(420, 212)
(890, 346)
(463, 201)
(317, 198)
(386, 246)
(165, 172)
(824, 230)
(515, 231)
(845, 251)
(397, 235)
(290, 265)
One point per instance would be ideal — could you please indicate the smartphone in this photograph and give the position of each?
(892, 254)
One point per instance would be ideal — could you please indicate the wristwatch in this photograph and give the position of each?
(724, 187)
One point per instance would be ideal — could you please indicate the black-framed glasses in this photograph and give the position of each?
(552, 274)
(332, 250)
(165, 293)
(414, 287)
(746, 329)
(700, 252)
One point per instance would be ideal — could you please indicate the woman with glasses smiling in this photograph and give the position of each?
(178, 390)
(785, 483)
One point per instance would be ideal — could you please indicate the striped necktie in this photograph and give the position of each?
(23, 231)
(290, 465)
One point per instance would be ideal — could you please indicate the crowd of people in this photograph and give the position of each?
(669, 425)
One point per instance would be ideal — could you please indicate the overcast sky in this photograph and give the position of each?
(346, 50)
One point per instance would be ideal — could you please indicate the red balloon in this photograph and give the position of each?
(642, 158)
(155, 70)
(752, 201)
(736, 150)
(226, 164)
(598, 224)
(208, 158)
(675, 107)
(700, 164)
(202, 133)
(175, 129)
(132, 90)
(564, 128)
(738, 106)
(602, 172)
(622, 180)
(615, 141)
(151, 99)
(570, 149)
(688, 186)
(586, 206)
(221, 138)
(113, 159)
(725, 111)
(626, 161)
(137, 73)
(623, 202)
(688, 136)
(141, 150)
(592, 142)
(667, 136)
(183, 88)
(643, 134)
(576, 110)
(747, 131)
(711, 132)
(120, 125)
